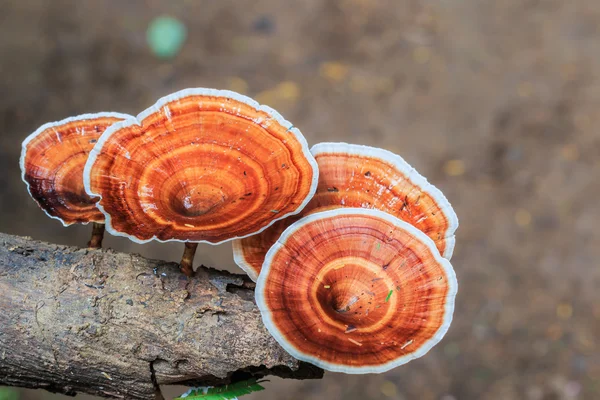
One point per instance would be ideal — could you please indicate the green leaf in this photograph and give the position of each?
(8, 394)
(388, 296)
(226, 392)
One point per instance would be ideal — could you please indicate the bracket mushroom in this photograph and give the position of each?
(356, 290)
(200, 165)
(52, 162)
(364, 177)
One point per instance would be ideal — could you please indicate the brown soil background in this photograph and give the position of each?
(495, 102)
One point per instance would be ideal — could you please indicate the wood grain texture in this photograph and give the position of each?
(118, 325)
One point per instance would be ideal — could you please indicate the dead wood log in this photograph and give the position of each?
(118, 325)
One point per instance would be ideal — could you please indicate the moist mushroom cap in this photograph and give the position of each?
(356, 291)
(201, 165)
(52, 162)
(361, 176)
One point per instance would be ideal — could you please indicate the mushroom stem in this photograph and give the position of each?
(187, 261)
(97, 235)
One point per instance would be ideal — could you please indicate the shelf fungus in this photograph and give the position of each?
(363, 177)
(356, 290)
(52, 162)
(201, 165)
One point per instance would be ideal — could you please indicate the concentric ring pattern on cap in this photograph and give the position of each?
(356, 291)
(201, 165)
(52, 162)
(353, 175)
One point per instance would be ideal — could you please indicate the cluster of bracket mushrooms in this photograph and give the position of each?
(348, 244)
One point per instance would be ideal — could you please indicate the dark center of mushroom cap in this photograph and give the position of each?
(354, 292)
(196, 201)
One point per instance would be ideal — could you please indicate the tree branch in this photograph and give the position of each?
(118, 325)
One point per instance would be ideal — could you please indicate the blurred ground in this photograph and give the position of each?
(497, 103)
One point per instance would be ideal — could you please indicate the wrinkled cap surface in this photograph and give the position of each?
(200, 165)
(356, 291)
(366, 177)
(52, 162)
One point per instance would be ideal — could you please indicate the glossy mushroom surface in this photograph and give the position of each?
(201, 165)
(364, 177)
(356, 291)
(52, 162)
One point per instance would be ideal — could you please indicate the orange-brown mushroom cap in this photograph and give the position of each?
(364, 177)
(201, 165)
(52, 162)
(356, 291)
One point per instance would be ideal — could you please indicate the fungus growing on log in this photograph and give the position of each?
(363, 177)
(52, 162)
(356, 291)
(201, 165)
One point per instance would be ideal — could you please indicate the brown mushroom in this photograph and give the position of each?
(361, 176)
(52, 161)
(201, 165)
(356, 291)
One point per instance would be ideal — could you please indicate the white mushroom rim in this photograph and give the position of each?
(240, 259)
(340, 213)
(50, 125)
(159, 107)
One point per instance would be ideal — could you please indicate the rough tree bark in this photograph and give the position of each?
(118, 325)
